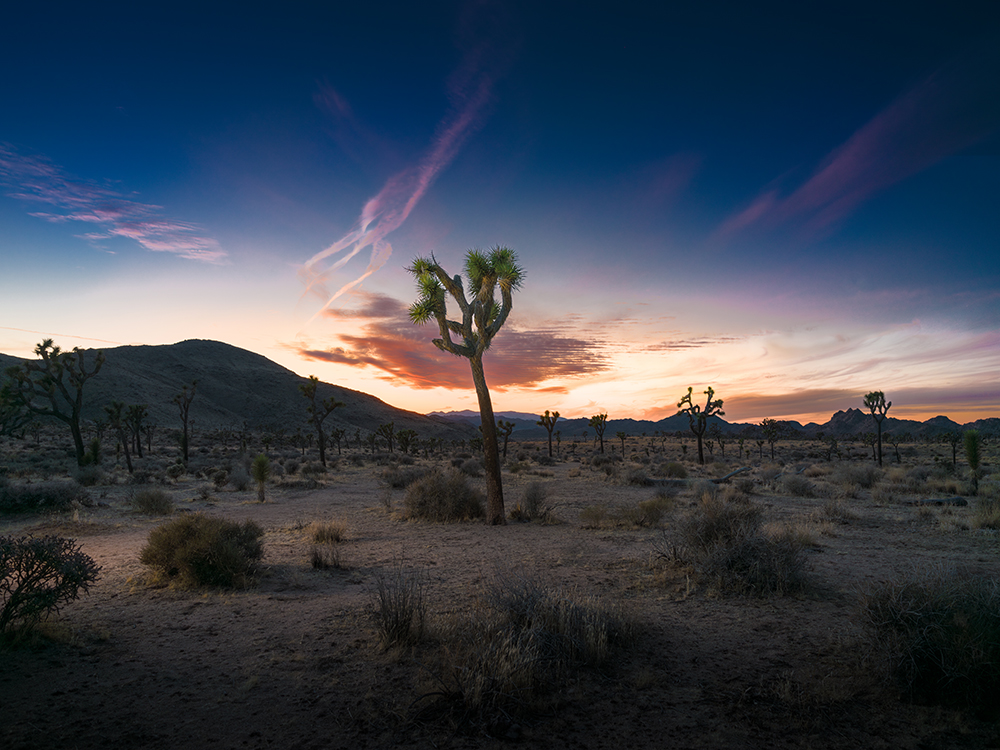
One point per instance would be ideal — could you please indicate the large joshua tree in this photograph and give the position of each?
(51, 387)
(548, 421)
(482, 318)
(698, 416)
(875, 402)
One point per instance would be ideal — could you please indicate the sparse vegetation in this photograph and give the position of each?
(151, 501)
(533, 505)
(41, 497)
(398, 607)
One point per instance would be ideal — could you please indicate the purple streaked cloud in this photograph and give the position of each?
(951, 110)
(36, 180)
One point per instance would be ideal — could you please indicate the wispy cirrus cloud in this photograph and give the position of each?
(109, 213)
(470, 90)
(956, 107)
(518, 359)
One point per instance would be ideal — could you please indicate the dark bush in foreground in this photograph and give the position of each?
(725, 542)
(44, 496)
(38, 575)
(524, 642)
(939, 637)
(199, 550)
(443, 496)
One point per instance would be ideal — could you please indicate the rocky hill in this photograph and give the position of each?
(234, 386)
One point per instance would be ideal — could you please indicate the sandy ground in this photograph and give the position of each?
(294, 662)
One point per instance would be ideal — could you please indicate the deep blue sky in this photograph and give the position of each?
(796, 203)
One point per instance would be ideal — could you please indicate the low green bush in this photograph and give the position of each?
(200, 550)
(151, 501)
(443, 496)
(38, 575)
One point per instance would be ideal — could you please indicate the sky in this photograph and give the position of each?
(793, 203)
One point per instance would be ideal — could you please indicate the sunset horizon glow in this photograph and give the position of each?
(791, 206)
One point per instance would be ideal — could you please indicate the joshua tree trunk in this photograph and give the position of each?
(491, 448)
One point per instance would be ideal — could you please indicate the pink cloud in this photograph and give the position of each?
(470, 90)
(37, 180)
(954, 108)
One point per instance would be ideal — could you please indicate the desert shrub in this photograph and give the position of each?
(939, 636)
(744, 486)
(358, 459)
(443, 496)
(716, 522)
(200, 550)
(594, 516)
(544, 459)
(38, 575)
(637, 476)
(220, 478)
(43, 496)
(398, 607)
(327, 532)
(837, 510)
(674, 470)
(648, 512)
(291, 466)
(516, 467)
(604, 460)
(472, 467)
(88, 476)
(703, 487)
(756, 564)
(987, 513)
(768, 473)
(883, 494)
(532, 506)
(176, 471)
(151, 501)
(143, 476)
(523, 642)
(399, 478)
(260, 470)
(313, 468)
(798, 486)
(239, 478)
(863, 475)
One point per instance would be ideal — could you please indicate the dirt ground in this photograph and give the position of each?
(295, 662)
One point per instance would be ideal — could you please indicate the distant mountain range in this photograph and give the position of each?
(235, 385)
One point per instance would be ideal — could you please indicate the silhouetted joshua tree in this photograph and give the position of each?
(548, 421)
(51, 387)
(482, 318)
(771, 431)
(318, 410)
(504, 430)
(698, 417)
(599, 422)
(183, 401)
(118, 419)
(876, 403)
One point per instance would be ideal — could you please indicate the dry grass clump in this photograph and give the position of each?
(200, 550)
(674, 470)
(860, 475)
(798, 486)
(987, 513)
(938, 635)
(837, 510)
(648, 512)
(443, 496)
(327, 532)
(151, 501)
(594, 516)
(636, 476)
(398, 607)
(521, 644)
(533, 505)
(727, 545)
(883, 494)
(818, 470)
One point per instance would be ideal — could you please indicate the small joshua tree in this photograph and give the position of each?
(971, 439)
(388, 433)
(482, 318)
(504, 430)
(407, 439)
(319, 410)
(875, 402)
(548, 421)
(183, 401)
(698, 416)
(771, 431)
(621, 436)
(260, 470)
(118, 419)
(599, 422)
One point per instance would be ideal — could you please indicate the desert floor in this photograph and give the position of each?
(295, 660)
